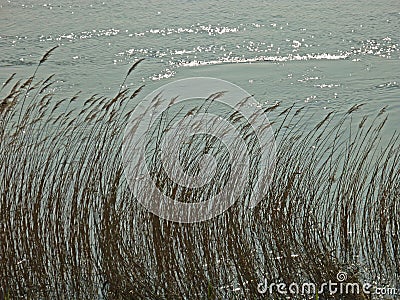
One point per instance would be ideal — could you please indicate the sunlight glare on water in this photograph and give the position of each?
(329, 55)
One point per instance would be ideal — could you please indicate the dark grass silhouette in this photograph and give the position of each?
(70, 227)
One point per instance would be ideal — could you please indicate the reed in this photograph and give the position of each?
(71, 228)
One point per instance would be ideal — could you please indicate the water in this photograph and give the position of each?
(328, 56)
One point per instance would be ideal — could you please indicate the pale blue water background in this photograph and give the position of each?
(326, 55)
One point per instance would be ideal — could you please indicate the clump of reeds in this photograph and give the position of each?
(71, 228)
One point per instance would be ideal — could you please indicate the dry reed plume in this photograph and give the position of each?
(70, 228)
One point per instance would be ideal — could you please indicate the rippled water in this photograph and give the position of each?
(324, 56)
(328, 55)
